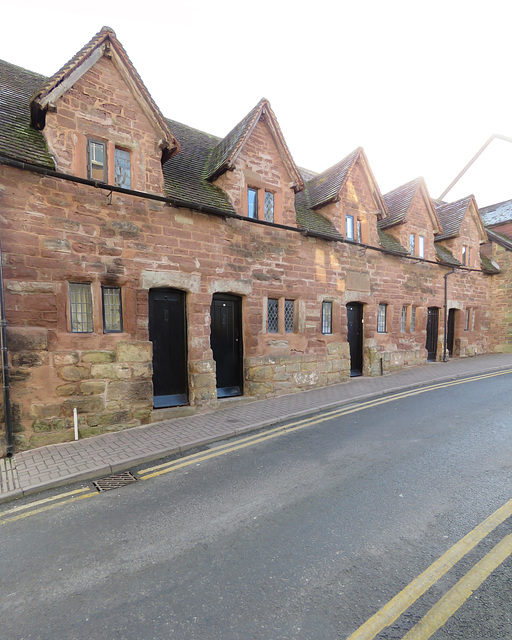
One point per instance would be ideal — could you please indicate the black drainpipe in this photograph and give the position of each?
(448, 273)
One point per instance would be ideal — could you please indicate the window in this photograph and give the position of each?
(273, 315)
(252, 203)
(112, 310)
(421, 246)
(80, 299)
(359, 233)
(403, 319)
(466, 256)
(473, 320)
(412, 244)
(467, 319)
(269, 206)
(122, 176)
(97, 161)
(381, 318)
(349, 227)
(289, 323)
(413, 319)
(326, 317)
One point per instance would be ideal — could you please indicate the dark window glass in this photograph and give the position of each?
(381, 318)
(252, 203)
(273, 315)
(413, 319)
(122, 169)
(80, 298)
(326, 317)
(289, 323)
(403, 321)
(112, 310)
(359, 234)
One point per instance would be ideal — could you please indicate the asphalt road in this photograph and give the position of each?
(305, 535)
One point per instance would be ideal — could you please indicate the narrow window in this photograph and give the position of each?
(413, 319)
(97, 161)
(289, 323)
(403, 319)
(349, 225)
(122, 168)
(421, 246)
(326, 317)
(473, 321)
(466, 256)
(80, 299)
(252, 203)
(112, 310)
(273, 315)
(466, 322)
(412, 244)
(381, 318)
(359, 234)
(269, 206)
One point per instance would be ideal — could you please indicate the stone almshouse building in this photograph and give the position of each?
(149, 266)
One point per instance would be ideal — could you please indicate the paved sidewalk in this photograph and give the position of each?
(55, 465)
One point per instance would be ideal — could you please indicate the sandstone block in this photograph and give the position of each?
(131, 393)
(67, 390)
(27, 339)
(44, 410)
(92, 387)
(27, 359)
(97, 357)
(92, 404)
(112, 371)
(44, 439)
(65, 358)
(134, 352)
(142, 370)
(73, 373)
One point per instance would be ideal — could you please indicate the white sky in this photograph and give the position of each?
(420, 85)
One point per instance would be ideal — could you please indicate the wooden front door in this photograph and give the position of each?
(226, 343)
(450, 331)
(168, 333)
(355, 337)
(432, 327)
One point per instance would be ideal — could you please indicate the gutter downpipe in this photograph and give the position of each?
(5, 366)
(448, 273)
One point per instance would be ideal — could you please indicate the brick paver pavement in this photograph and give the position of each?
(54, 465)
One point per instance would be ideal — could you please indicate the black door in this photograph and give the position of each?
(432, 325)
(450, 331)
(226, 343)
(355, 337)
(168, 333)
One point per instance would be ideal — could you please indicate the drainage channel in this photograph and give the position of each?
(115, 481)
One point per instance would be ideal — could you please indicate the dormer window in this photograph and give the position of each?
(466, 256)
(269, 206)
(349, 227)
(260, 200)
(97, 160)
(122, 168)
(252, 203)
(421, 246)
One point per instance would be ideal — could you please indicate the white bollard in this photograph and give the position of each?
(75, 419)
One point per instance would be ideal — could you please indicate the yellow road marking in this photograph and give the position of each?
(460, 592)
(20, 516)
(51, 499)
(229, 447)
(403, 600)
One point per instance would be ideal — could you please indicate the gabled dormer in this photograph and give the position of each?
(347, 195)
(254, 167)
(100, 121)
(412, 219)
(462, 230)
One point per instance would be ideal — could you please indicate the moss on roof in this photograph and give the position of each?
(445, 255)
(391, 244)
(488, 265)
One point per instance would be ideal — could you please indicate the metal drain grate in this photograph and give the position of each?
(114, 482)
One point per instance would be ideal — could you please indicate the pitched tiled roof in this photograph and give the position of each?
(497, 213)
(445, 256)
(500, 239)
(312, 220)
(391, 244)
(184, 173)
(326, 186)
(451, 215)
(488, 265)
(17, 139)
(398, 202)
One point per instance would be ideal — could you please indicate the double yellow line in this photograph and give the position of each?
(242, 443)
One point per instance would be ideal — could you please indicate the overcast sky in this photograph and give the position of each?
(419, 85)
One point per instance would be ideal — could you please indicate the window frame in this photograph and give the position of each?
(287, 304)
(412, 244)
(413, 319)
(90, 142)
(74, 310)
(326, 317)
(421, 246)
(466, 255)
(467, 319)
(382, 315)
(119, 289)
(255, 203)
(117, 182)
(269, 305)
(403, 319)
(349, 219)
(269, 193)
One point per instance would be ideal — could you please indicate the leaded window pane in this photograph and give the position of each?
(412, 244)
(349, 222)
(112, 313)
(269, 206)
(473, 321)
(122, 169)
(359, 233)
(381, 318)
(80, 298)
(273, 315)
(466, 324)
(289, 324)
(403, 321)
(252, 203)
(413, 319)
(326, 317)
